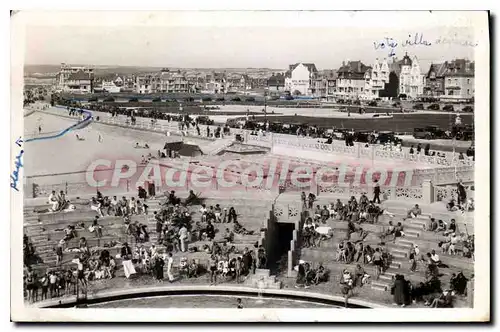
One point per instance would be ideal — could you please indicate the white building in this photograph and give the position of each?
(375, 79)
(411, 79)
(110, 87)
(298, 78)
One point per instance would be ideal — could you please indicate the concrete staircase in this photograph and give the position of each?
(399, 250)
(217, 146)
(263, 279)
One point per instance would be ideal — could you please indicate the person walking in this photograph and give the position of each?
(376, 192)
(170, 263)
(461, 193)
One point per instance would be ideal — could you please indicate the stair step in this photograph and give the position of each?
(380, 285)
(395, 265)
(379, 288)
(262, 272)
(399, 253)
(385, 277)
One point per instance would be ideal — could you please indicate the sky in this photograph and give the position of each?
(237, 47)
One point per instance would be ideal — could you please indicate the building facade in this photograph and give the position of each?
(239, 83)
(298, 78)
(215, 83)
(350, 83)
(434, 80)
(376, 79)
(163, 82)
(146, 84)
(459, 81)
(276, 84)
(77, 79)
(411, 80)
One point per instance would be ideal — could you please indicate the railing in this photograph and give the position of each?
(376, 152)
(453, 169)
(447, 193)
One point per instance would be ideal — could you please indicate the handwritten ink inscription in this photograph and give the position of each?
(418, 39)
(14, 178)
(391, 44)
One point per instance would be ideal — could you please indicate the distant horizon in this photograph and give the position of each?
(246, 47)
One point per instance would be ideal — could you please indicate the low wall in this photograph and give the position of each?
(272, 140)
(141, 292)
(301, 147)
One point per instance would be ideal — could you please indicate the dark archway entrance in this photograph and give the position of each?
(281, 245)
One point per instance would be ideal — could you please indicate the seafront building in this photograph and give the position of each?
(75, 79)
(298, 79)
(163, 82)
(459, 81)
(350, 83)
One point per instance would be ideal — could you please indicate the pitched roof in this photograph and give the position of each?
(189, 150)
(438, 68)
(79, 75)
(460, 67)
(276, 80)
(353, 69)
(310, 66)
(406, 61)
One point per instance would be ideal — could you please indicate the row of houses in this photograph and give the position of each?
(353, 80)
(451, 80)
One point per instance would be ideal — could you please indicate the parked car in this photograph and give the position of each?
(92, 99)
(357, 102)
(434, 107)
(448, 108)
(133, 100)
(206, 99)
(109, 99)
(468, 108)
(372, 103)
(387, 137)
(429, 132)
(204, 120)
(363, 136)
(418, 106)
(463, 132)
(156, 100)
(220, 99)
(236, 99)
(251, 99)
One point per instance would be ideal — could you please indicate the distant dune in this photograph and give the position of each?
(39, 70)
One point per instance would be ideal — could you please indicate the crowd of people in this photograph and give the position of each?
(51, 284)
(175, 229)
(354, 250)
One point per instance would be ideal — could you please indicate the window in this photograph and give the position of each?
(468, 92)
(449, 81)
(468, 81)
